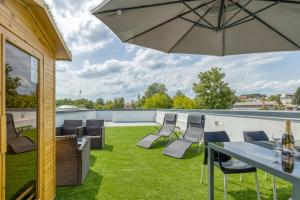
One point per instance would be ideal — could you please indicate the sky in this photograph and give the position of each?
(104, 67)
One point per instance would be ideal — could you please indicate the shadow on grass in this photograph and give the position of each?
(251, 194)
(245, 194)
(193, 152)
(89, 189)
(93, 160)
(282, 193)
(108, 147)
(159, 144)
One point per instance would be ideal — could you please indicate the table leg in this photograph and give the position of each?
(296, 191)
(210, 174)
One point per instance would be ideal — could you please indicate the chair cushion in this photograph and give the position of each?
(93, 131)
(69, 131)
(234, 166)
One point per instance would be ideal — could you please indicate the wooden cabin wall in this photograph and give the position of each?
(20, 25)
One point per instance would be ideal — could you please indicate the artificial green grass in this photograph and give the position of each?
(124, 171)
(21, 169)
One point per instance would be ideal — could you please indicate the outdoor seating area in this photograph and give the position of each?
(93, 130)
(123, 170)
(202, 102)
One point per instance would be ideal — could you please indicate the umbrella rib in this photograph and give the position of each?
(220, 16)
(144, 6)
(283, 1)
(269, 26)
(238, 23)
(194, 11)
(197, 23)
(174, 46)
(240, 20)
(169, 20)
(235, 14)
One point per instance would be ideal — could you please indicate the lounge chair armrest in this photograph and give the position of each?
(177, 128)
(20, 132)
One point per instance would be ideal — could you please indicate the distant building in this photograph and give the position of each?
(255, 105)
(67, 108)
(287, 99)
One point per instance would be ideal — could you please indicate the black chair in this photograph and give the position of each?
(227, 164)
(95, 131)
(257, 136)
(71, 127)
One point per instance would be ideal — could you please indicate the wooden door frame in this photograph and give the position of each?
(9, 37)
(2, 117)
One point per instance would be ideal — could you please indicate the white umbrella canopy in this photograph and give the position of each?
(211, 27)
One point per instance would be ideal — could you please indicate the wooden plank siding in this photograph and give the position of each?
(19, 26)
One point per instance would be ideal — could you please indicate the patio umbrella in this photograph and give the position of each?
(212, 27)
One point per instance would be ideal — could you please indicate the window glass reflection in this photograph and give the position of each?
(21, 113)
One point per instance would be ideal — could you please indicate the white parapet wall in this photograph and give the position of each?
(235, 124)
(134, 116)
(23, 117)
(80, 115)
(115, 116)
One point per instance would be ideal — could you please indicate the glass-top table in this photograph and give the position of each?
(259, 155)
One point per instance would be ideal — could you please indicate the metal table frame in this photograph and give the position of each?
(213, 147)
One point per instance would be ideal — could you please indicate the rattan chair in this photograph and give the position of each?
(95, 131)
(72, 160)
(71, 127)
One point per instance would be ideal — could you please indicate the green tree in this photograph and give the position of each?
(12, 83)
(212, 92)
(117, 103)
(275, 98)
(100, 101)
(159, 100)
(84, 103)
(154, 89)
(183, 102)
(296, 99)
(13, 98)
(179, 93)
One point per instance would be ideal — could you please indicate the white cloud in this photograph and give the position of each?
(275, 86)
(83, 32)
(128, 77)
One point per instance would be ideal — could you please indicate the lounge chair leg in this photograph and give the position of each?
(225, 186)
(257, 186)
(274, 188)
(202, 173)
(241, 177)
(199, 149)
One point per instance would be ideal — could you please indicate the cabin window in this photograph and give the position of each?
(21, 109)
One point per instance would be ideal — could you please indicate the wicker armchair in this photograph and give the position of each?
(71, 127)
(95, 131)
(72, 160)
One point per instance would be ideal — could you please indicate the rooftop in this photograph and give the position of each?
(124, 171)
